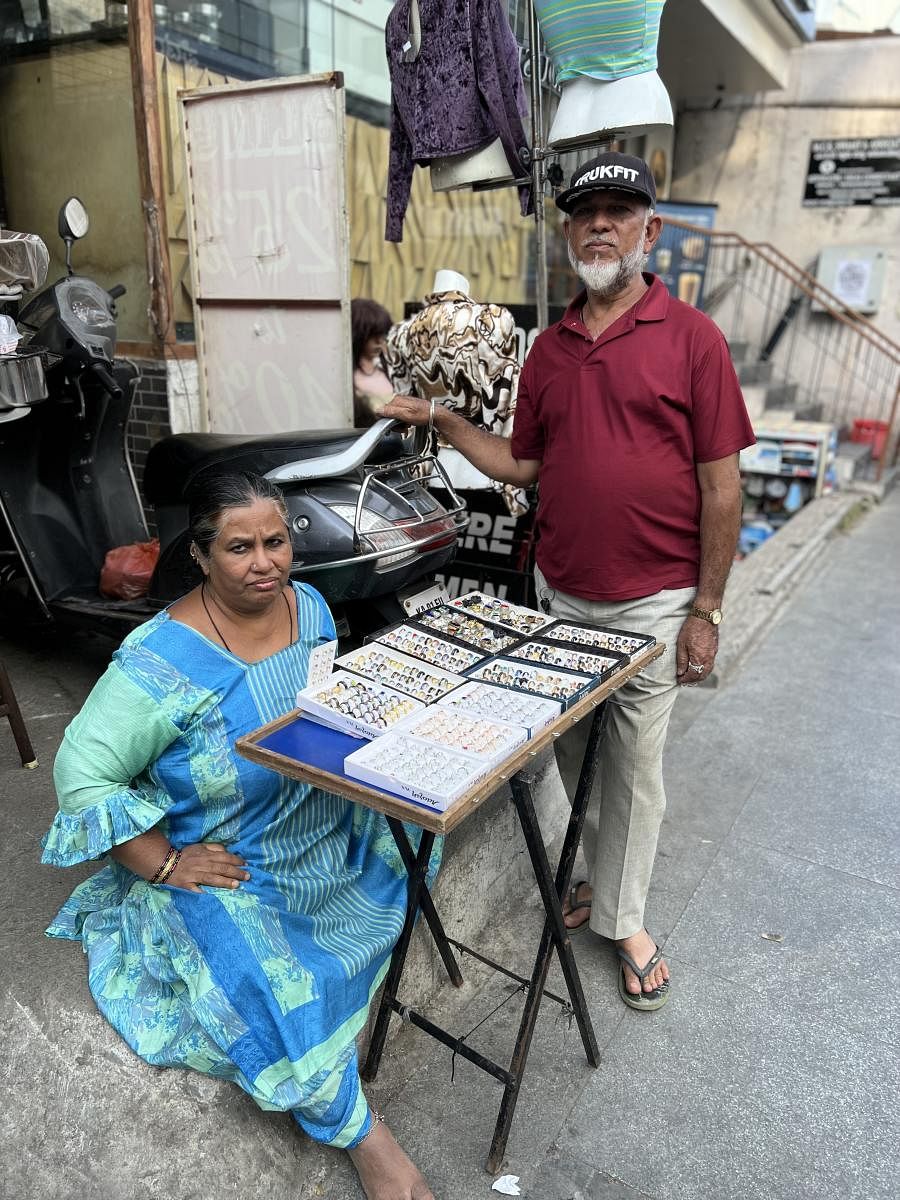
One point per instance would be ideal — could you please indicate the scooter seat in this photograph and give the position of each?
(175, 462)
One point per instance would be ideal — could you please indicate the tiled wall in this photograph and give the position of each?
(149, 420)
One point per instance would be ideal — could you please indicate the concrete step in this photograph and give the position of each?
(740, 351)
(755, 372)
(782, 395)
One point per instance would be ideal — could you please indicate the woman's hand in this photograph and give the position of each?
(209, 864)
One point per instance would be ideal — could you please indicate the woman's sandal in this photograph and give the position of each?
(575, 904)
(642, 1001)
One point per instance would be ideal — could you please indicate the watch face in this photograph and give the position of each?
(715, 616)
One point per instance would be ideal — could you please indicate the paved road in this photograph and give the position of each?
(772, 1074)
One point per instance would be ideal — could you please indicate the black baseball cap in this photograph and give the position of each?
(609, 172)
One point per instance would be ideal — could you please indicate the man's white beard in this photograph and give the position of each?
(608, 279)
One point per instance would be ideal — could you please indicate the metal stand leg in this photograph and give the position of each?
(418, 897)
(554, 933)
(429, 912)
(9, 708)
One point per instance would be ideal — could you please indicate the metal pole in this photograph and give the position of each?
(538, 152)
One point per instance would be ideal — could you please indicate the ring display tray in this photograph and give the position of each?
(598, 637)
(465, 733)
(419, 643)
(493, 702)
(421, 771)
(316, 754)
(452, 622)
(565, 686)
(570, 658)
(394, 670)
(525, 621)
(356, 705)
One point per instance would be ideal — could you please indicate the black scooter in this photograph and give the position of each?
(365, 528)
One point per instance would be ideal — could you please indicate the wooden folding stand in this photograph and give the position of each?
(297, 747)
(9, 708)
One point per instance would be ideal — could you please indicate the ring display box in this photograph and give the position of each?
(456, 623)
(570, 658)
(599, 638)
(524, 621)
(564, 686)
(356, 705)
(501, 704)
(450, 656)
(456, 730)
(395, 670)
(421, 771)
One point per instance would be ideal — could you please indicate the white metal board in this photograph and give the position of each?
(270, 254)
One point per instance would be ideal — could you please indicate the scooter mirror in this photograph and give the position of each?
(73, 220)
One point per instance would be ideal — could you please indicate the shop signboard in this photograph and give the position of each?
(268, 230)
(846, 172)
(680, 256)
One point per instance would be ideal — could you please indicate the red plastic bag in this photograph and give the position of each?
(127, 570)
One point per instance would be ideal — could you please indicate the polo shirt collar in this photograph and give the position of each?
(652, 306)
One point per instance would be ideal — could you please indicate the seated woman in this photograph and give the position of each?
(245, 919)
(372, 388)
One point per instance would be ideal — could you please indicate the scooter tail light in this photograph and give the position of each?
(371, 526)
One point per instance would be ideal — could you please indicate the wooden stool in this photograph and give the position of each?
(9, 708)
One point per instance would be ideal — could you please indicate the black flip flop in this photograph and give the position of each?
(642, 1001)
(575, 904)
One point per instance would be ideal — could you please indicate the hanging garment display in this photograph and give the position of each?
(604, 53)
(606, 39)
(462, 354)
(456, 86)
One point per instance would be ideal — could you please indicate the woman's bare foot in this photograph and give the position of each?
(385, 1172)
(640, 946)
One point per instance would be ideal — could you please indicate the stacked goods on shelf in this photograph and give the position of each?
(489, 702)
(524, 621)
(619, 641)
(356, 705)
(395, 670)
(552, 683)
(421, 771)
(570, 658)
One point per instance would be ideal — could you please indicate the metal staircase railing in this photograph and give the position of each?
(831, 362)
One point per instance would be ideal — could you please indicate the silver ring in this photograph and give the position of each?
(696, 667)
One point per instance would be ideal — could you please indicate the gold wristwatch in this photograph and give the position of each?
(713, 615)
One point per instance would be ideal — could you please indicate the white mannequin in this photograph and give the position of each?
(485, 166)
(450, 281)
(597, 110)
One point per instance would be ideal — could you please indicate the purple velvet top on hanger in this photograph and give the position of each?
(460, 92)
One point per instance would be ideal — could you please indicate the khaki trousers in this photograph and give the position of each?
(628, 801)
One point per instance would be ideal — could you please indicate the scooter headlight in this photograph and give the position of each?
(86, 309)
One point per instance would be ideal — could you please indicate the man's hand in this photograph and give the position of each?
(695, 651)
(408, 409)
(210, 864)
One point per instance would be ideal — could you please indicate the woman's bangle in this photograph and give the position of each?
(167, 866)
(170, 870)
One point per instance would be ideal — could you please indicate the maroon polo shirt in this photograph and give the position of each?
(618, 425)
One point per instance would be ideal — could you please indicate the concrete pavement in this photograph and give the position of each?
(771, 1074)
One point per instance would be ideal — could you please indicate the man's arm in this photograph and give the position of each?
(720, 526)
(486, 451)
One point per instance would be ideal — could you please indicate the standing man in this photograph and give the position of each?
(630, 418)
